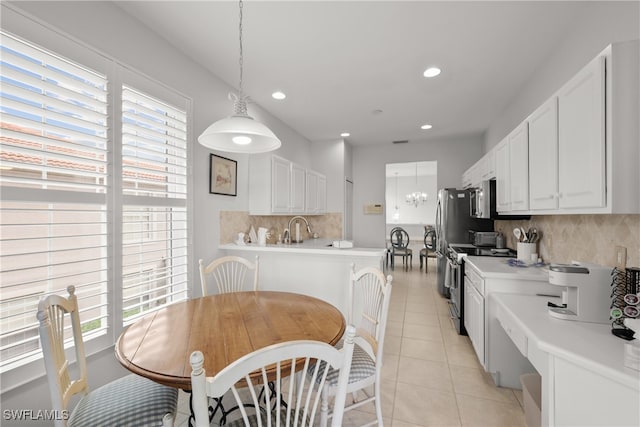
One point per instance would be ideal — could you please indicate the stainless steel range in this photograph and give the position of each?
(455, 259)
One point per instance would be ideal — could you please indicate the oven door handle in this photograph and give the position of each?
(453, 269)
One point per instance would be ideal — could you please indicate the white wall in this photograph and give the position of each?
(601, 24)
(453, 155)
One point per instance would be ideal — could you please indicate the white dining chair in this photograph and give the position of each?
(130, 400)
(289, 402)
(373, 292)
(229, 274)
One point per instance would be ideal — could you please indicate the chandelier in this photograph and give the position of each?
(417, 197)
(239, 133)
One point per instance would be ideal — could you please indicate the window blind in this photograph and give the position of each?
(154, 215)
(53, 179)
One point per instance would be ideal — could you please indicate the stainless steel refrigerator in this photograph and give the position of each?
(453, 222)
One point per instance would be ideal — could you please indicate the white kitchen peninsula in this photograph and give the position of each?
(584, 380)
(312, 268)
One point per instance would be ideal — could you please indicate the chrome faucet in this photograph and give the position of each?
(286, 237)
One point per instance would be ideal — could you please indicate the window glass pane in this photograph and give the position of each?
(154, 229)
(53, 153)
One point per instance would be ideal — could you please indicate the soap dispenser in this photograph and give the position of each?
(500, 241)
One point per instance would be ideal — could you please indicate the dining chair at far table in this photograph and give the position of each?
(429, 248)
(370, 293)
(131, 400)
(229, 274)
(400, 247)
(293, 401)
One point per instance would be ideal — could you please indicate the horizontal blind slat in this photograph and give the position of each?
(33, 51)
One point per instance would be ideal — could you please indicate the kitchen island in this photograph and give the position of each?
(311, 268)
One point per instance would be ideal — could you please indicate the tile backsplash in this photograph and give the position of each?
(587, 238)
(328, 226)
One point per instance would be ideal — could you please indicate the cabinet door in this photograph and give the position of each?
(581, 138)
(280, 184)
(489, 165)
(519, 167)
(311, 205)
(298, 175)
(478, 319)
(322, 194)
(502, 177)
(468, 324)
(543, 156)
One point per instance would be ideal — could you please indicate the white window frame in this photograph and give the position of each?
(54, 40)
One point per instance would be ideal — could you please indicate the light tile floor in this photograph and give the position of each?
(431, 376)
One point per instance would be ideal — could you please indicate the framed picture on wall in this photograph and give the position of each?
(223, 176)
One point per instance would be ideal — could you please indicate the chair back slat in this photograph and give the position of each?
(276, 364)
(229, 274)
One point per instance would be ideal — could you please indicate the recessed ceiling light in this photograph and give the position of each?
(426, 127)
(278, 95)
(345, 134)
(431, 72)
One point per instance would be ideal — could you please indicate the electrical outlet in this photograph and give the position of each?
(621, 257)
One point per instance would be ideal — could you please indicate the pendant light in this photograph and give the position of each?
(396, 213)
(239, 133)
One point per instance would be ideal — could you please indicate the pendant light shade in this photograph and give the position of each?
(239, 133)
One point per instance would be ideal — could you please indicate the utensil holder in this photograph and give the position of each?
(525, 250)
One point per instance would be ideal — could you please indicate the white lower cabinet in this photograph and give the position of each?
(581, 397)
(474, 317)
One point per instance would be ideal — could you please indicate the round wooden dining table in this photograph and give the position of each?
(224, 328)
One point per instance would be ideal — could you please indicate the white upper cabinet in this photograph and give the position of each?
(582, 143)
(543, 156)
(316, 194)
(503, 182)
(581, 138)
(278, 186)
(298, 177)
(519, 168)
(488, 162)
(281, 184)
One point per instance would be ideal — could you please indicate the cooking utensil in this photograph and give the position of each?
(517, 233)
(525, 237)
(533, 235)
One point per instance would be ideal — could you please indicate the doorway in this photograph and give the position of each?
(411, 192)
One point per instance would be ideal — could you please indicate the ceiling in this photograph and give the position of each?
(356, 66)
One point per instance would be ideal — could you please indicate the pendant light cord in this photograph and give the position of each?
(241, 58)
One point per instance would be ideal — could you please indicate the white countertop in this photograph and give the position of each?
(498, 268)
(310, 247)
(589, 345)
